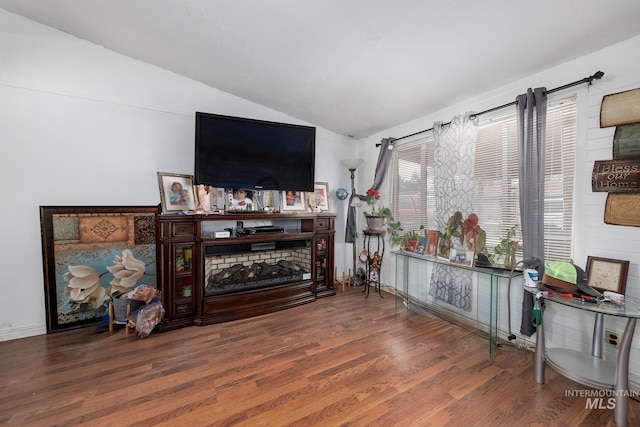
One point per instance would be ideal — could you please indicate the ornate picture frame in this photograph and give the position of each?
(293, 201)
(176, 192)
(90, 253)
(606, 274)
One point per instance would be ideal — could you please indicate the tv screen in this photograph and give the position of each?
(235, 152)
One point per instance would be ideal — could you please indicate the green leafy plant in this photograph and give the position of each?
(394, 228)
(452, 230)
(508, 246)
(408, 237)
(466, 230)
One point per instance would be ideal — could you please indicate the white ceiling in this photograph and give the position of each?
(351, 66)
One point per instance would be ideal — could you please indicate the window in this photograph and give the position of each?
(496, 178)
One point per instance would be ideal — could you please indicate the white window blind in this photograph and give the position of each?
(411, 184)
(496, 178)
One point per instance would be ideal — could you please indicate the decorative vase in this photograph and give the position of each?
(411, 246)
(375, 223)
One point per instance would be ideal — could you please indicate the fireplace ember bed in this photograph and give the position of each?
(258, 268)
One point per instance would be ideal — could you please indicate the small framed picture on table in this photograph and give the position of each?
(605, 274)
(461, 257)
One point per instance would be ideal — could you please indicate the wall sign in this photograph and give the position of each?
(616, 176)
(620, 177)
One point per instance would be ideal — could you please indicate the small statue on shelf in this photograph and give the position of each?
(375, 261)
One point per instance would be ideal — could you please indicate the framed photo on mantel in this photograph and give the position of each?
(176, 192)
(293, 201)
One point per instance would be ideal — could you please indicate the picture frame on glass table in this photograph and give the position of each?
(606, 274)
(176, 192)
(293, 201)
(461, 257)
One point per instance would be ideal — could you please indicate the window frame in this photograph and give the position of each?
(561, 142)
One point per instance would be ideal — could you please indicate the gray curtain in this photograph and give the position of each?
(384, 158)
(532, 117)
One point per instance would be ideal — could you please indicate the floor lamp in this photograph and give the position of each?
(352, 165)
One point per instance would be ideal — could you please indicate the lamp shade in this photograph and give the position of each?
(352, 164)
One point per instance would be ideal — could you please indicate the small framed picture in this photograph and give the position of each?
(461, 257)
(433, 236)
(293, 201)
(422, 245)
(320, 197)
(176, 192)
(240, 199)
(606, 274)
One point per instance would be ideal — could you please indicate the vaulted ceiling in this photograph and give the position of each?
(351, 66)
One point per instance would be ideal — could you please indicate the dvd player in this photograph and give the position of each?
(260, 229)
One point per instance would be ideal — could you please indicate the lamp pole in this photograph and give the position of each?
(352, 165)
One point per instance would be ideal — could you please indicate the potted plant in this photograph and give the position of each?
(409, 240)
(473, 234)
(508, 246)
(394, 228)
(375, 220)
(466, 230)
(445, 243)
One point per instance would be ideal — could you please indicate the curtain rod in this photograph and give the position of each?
(598, 75)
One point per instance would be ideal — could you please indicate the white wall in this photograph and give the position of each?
(82, 125)
(621, 65)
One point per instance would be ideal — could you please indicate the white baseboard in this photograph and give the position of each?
(17, 333)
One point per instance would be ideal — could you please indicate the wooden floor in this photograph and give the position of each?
(340, 361)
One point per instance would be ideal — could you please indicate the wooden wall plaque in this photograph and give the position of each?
(626, 142)
(616, 176)
(622, 209)
(620, 108)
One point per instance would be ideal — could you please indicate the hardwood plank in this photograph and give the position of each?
(343, 360)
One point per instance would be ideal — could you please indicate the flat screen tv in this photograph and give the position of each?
(236, 152)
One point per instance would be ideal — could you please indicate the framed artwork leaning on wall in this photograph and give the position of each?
(91, 254)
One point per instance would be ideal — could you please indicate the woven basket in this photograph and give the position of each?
(120, 308)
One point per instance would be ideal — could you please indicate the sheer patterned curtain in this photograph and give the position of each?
(532, 113)
(453, 184)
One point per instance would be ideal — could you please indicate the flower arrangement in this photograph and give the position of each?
(372, 198)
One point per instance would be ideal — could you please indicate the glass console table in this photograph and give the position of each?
(409, 271)
(590, 369)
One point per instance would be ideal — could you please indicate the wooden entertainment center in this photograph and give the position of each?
(192, 261)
